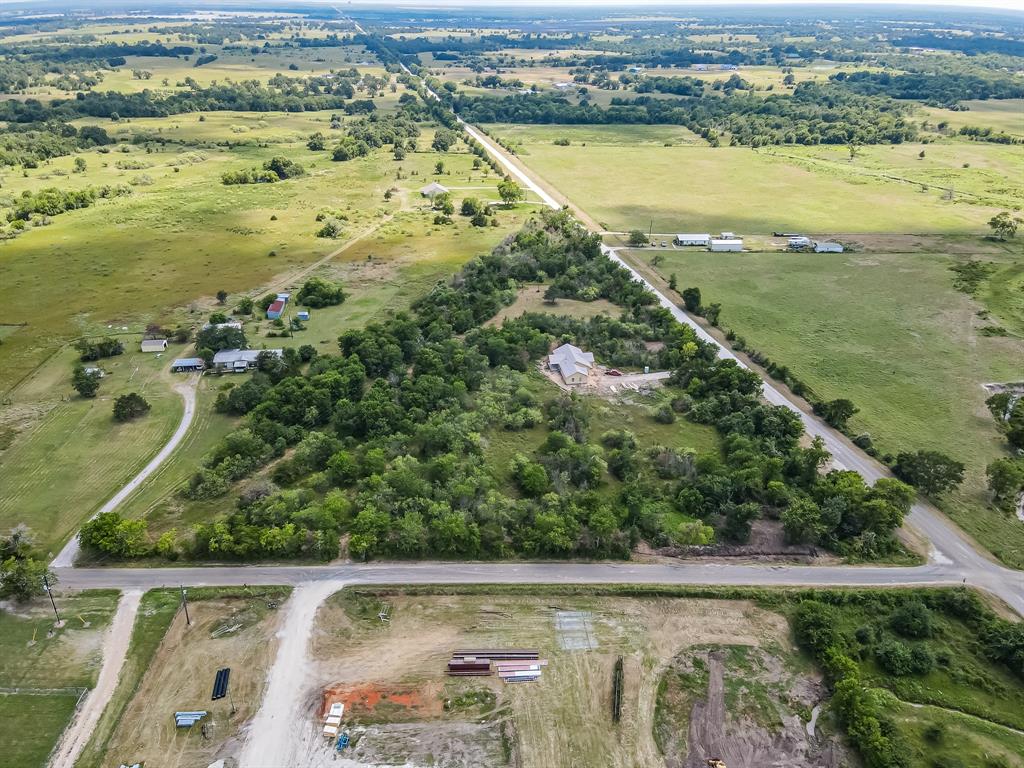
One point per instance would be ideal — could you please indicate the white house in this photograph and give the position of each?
(239, 360)
(433, 189)
(827, 246)
(572, 363)
(702, 240)
(721, 246)
(154, 345)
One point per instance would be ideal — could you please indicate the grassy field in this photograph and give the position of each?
(43, 671)
(66, 455)
(694, 188)
(913, 367)
(1004, 115)
(183, 235)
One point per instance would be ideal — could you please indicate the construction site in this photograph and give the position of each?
(475, 680)
(359, 678)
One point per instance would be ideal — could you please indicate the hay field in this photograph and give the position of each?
(696, 188)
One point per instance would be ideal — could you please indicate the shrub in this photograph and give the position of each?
(130, 406)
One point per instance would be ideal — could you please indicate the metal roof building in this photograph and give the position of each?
(154, 345)
(572, 363)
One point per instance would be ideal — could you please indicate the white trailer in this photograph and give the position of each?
(703, 240)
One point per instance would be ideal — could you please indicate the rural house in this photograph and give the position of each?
(154, 345)
(702, 240)
(572, 363)
(239, 360)
(433, 189)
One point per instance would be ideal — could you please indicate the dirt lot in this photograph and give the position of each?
(402, 710)
(230, 632)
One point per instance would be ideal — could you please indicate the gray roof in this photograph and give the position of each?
(231, 356)
(433, 188)
(187, 362)
(570, 359)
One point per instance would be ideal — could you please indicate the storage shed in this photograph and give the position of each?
(433, 189)
(827, 246)
(721, 246)
(275, 309)
(302, 314)
(154, 345)
(187, 365)
(703, 240)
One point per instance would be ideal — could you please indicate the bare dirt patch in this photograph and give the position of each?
(405, 711)
(229, 632)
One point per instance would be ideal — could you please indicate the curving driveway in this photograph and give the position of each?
(187, 389)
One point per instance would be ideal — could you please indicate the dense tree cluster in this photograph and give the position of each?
(275, 169)
(52, 201)
(318, 292)
(107, 346)
(813, 114)
(30, 144)
(941, 89)
(22, 567)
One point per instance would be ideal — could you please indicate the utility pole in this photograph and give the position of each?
(184, 602)
(49, 593)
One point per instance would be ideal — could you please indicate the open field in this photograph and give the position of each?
(914, 368)
(392, 677)
(182, 235)
(531, 299)
(67, 455)
(1002, 115)
(44, 671)
(171, 666)
(694, 188)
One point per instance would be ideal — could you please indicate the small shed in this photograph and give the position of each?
(728, 236)
(187, 365)
(724, 245)
(703, 240)
(433, 189)
(302, 314)
(275, 309)
(799, 241)
(154, 345)
(827, 246)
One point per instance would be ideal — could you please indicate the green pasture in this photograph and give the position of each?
(889, 332)
(696, 188)
(944, 734)
(182, 235)
(1003, 115)
(67, 456)
(42, 676)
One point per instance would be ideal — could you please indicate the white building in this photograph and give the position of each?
(237, 325)
(723, 245)
(239, 360)
(702, 240)
(799, 242)
(827, 246)
(433, 189)
(563, 86)
(572, 363)
(154, 345)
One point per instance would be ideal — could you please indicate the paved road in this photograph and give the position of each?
(187, 389)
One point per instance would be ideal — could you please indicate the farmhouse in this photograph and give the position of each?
(187, 365)
(826, 246)
(433, 189)
(572, 363)
(702, 240)
(154, 345)
(239, 360)
(722, 245)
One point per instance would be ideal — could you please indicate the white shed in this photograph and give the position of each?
(433, 189)
(721, 246)
(827, 246)
(703, 240)
(154, 345)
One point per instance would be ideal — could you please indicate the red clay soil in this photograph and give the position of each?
(364, 699)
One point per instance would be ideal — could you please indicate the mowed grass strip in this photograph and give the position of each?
(693, 188)
(889, 332)
(58, 472)
(42, 675)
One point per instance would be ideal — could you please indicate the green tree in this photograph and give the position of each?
(245, 306)
(130, 406)
(220, 338)
(836, 412)
(802, 522)
(86, 383)
(80, 165)
(510, 192)
(21, 578)
(317, 142)
(931, 472)
(1005, 479)
(638, 237)
(222, 297)
(1004, 225)
(912, 619)
(114, 536)
(691, 299)
(672, 284)
(444, 139)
